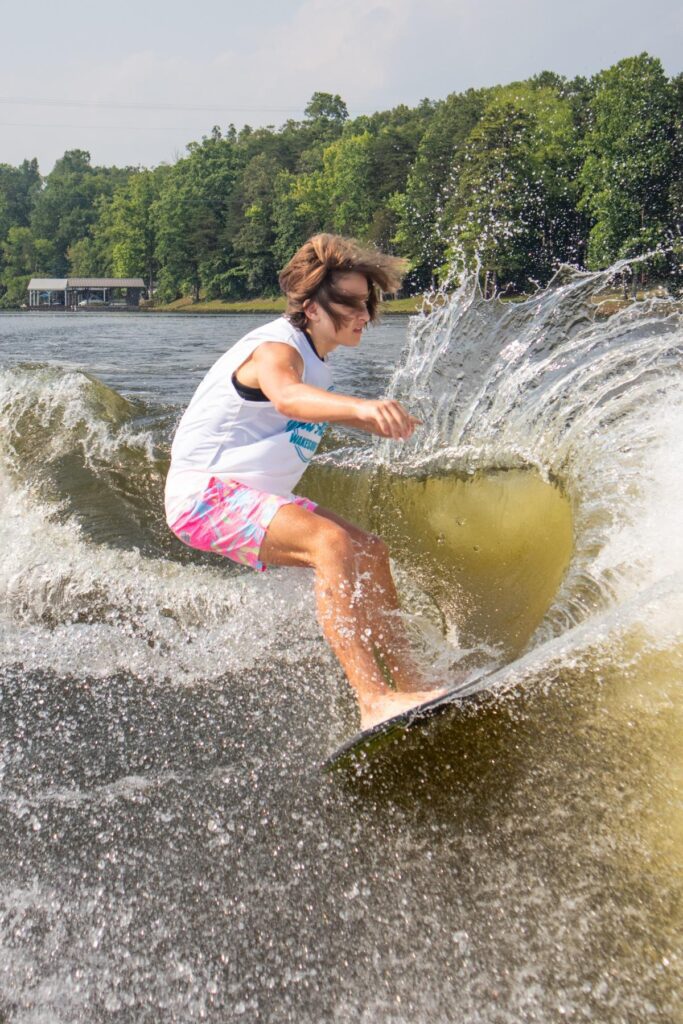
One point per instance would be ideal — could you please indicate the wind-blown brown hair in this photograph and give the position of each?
(313, 274)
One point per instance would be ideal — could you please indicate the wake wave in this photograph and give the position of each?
(593, 403)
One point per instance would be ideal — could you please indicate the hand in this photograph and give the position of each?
(387, 418)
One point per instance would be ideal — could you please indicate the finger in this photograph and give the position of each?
(385, 424)
(405, 421)
(386, 419)
(399, 417)
(408, 421)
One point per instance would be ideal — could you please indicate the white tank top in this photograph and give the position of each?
(233, 438)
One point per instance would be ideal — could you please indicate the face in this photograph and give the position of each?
(322, 327)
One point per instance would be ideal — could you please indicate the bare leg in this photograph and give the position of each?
(297, 537)
(380, 606)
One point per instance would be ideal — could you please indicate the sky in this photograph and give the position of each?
(134, 81)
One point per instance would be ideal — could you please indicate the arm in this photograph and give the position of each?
(279, 368)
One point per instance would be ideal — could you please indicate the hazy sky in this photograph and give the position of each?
(134, 81)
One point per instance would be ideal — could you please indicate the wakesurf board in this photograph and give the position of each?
(365, 744)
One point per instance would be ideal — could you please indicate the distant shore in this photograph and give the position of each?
(606, 304)
(266, 305)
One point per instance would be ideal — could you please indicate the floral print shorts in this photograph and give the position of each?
(231, 519)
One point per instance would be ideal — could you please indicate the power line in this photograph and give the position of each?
(96, 105)
(100, 127)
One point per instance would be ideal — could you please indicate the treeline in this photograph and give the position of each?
(517, 178)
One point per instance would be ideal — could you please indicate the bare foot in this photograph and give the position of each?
(389, 704)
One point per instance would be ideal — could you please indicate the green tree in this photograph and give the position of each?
(418, 209)
(392, 141)
(300, 209)
(513, 203)
(254, 236)
(495, 209)
(23, 257)
(629, 162)
(347, 182)
(85, 260)
(179, 219)
(350, 185)
(326, 114)
(128, 226)
(324, 120)
(19, 187)
(675, 225)
(91, 255)
(190, 220)
(67, 207)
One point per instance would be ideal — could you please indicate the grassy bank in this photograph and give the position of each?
(276, 305)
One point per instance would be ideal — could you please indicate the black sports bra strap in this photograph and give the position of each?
(249, 394)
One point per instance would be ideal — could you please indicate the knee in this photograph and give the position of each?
(374, 548)
(333, 545)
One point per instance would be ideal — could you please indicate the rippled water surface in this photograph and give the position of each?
(171, 849)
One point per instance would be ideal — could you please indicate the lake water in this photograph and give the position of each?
(171, 849)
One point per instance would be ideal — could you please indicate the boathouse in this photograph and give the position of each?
(85, 292)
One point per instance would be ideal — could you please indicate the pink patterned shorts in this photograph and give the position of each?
(231, 519)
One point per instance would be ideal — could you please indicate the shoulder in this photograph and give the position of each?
(277, 351)
(279, 340)
(278, 330)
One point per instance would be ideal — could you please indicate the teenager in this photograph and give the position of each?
(247, 436)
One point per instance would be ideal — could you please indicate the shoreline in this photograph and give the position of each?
(391, 307)
(606, 305)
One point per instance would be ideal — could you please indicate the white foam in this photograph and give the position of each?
(69, 604)
(594, 404)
